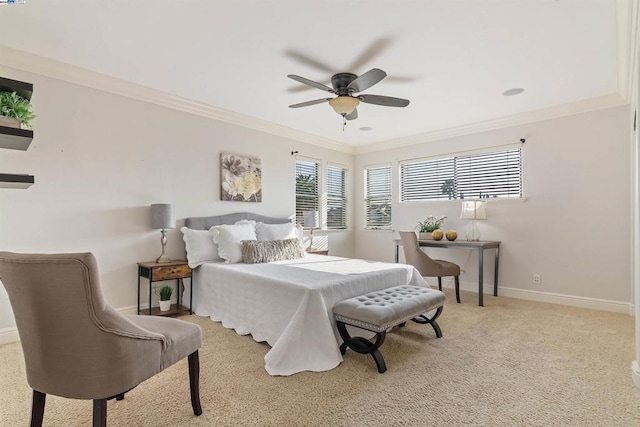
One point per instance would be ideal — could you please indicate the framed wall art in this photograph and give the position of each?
(241, 178)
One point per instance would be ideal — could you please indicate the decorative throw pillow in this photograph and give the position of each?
(228, 238)
(258, 251)
(287, 230)
(200, 246)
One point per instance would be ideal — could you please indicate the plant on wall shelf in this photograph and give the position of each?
(14, 106)
(430, 224)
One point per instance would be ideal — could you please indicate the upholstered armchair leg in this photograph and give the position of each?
(457, 289)
(194, 382)
(440, 283)
(37, 408)
(100, 413)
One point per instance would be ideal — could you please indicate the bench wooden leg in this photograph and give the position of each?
(363, 346)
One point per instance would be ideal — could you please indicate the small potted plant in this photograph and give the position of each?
(165, 298)
(430, 224)
(15, 111)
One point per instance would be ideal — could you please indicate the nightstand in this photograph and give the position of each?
(318, 251)
(156, 272)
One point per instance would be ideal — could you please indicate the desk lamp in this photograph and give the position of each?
(474, 210)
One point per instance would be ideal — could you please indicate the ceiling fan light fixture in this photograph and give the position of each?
(344, 105)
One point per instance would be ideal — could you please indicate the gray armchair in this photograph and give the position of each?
(427, 266)
(76, 345)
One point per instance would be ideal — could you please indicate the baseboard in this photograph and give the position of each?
(8, 335)
(553, 298)
(635, 373)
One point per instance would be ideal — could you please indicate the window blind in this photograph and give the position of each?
(306, 188)
(378, 197)
(336, 197)
(486, 175)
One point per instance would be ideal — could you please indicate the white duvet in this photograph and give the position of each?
(289, 304)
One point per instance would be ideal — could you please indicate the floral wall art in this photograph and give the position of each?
(241, 179)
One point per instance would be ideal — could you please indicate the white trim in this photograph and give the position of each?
(549, 297)
(626, 41)
(635, 373)
(21, 60)
(9, 335)
(594, 104)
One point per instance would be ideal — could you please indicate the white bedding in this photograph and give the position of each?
(289, 304)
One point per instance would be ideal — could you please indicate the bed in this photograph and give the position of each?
(288, 303)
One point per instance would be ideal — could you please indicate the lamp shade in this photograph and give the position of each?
(311, 219)
(344, 105)
(474, 209)
(162, 216)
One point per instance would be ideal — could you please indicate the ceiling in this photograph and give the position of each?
(452, 59)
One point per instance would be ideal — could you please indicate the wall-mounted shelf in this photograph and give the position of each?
(16, 181)
(14, 138)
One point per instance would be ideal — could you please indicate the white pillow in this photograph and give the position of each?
(200, 246)
(229, 238)
(287, 230)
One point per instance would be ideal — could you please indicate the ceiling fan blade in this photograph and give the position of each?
(309, 61)
(310, 83)
(353, 115)
(387, 101)
(298, 88)
(375, 49)
(306, 104)
(367, 80)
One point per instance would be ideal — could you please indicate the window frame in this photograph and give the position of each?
(379, 199)
(318, 189)
(344, 197)
(453, 157)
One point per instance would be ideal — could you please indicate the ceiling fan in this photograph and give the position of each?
(346, 86)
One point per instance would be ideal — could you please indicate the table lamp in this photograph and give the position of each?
(311, 220)
(162, 218)
(474, 210)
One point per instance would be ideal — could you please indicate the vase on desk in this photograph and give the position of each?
(424, 236)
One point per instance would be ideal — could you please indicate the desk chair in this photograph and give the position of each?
(427, 266)
(76, 345)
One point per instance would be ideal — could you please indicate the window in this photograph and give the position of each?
(377, 195)
(306, 188)
(486, 175)
(336, 197)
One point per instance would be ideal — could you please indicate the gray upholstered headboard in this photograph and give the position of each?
(206, 222)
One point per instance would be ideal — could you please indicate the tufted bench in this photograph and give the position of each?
(382, 310)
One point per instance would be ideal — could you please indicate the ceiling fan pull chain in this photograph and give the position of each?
(344, 121)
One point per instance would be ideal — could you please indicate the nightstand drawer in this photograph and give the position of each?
(171, 272)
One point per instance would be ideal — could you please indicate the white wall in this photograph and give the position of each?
(573, 228)
(100, 160)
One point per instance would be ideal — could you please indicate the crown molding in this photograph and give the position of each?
(627, 43)
(35, 64)
(24, 61)
(585, 106)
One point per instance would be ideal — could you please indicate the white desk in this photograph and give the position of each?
(465, 244)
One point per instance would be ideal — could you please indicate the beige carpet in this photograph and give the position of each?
(512, 362)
